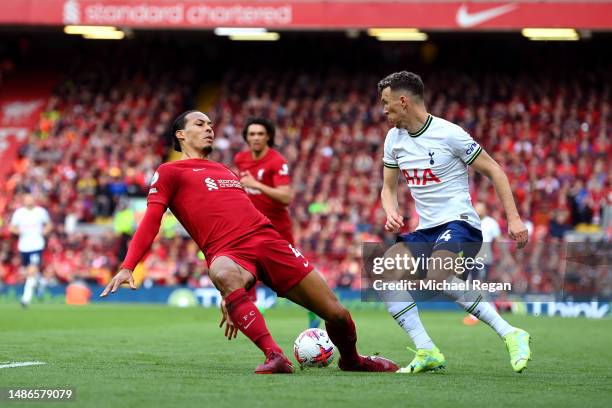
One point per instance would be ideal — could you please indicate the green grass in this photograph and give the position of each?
(147, 356)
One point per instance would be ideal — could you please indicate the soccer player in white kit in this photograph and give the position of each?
(433, 155)
(31, 223)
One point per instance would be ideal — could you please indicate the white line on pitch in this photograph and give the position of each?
(22, 364)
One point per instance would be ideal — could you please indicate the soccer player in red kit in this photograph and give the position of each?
(241, 246)
(264, 174)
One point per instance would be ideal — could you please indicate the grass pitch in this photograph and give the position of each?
(149, 356)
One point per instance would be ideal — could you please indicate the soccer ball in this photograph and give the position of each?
(313, 348)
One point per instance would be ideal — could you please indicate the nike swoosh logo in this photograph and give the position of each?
(306, 264)
(198, 169)
(465, 19)
(250, 323)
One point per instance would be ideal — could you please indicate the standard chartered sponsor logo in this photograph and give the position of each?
(229, 183)
(179, 12)
(213, 184)
(72, 12)
(210, 183)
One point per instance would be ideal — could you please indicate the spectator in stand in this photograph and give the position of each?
(550, 136)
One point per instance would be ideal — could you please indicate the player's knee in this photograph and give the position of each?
(226, 279)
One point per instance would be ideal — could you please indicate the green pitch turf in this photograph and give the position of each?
(149, 356)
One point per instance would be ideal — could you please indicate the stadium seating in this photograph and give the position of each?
(102, 136)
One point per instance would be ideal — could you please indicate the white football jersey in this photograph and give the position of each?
(434, 163)
(30, 224)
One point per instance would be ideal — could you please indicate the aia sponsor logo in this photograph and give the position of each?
(416, 177)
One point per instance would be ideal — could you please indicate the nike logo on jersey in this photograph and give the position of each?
(198, 169)
(465, 19)
(306, 264)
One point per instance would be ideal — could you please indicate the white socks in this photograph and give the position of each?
(406, 314)
(473, 303)
(28, 289)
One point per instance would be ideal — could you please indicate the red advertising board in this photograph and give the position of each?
(20, 106)
(311, 14)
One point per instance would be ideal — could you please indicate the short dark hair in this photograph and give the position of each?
(405, 80)
(179, 124)
(270, 128)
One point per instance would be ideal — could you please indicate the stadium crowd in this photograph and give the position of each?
(102, 135)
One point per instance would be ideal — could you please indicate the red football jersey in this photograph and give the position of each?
(208, 200)
(271, 170)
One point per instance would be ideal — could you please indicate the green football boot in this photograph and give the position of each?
(517, 344)
(425, 360)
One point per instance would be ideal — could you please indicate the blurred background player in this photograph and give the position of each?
(264, 173)
(433, 154)
(31, 223)
(490, 232)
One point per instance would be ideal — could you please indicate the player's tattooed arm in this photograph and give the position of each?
(388, 196)
(484, 164)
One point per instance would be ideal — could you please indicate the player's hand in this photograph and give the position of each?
(247, 180)
(394, 223)
(124, 275)
(231, 331)
(518, 232)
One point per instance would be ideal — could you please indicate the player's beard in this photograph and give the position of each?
(207, 150)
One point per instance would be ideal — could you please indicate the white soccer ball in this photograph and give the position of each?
(313, 348)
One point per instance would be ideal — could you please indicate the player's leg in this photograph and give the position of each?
(313, 293)
(471, 300)
(30, 267)
(460, 239)
(474, 273)
(232, 280)
(401, 306)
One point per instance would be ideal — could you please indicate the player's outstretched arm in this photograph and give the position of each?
(388, 196)
(123, 276)
(485, 164)
(282, 194)
(143, 238)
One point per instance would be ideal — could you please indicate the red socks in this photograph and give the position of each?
(249, 320)
(252, 293)
(344, 336)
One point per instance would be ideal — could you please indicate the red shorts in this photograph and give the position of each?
(271, 259)
(284, 227)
